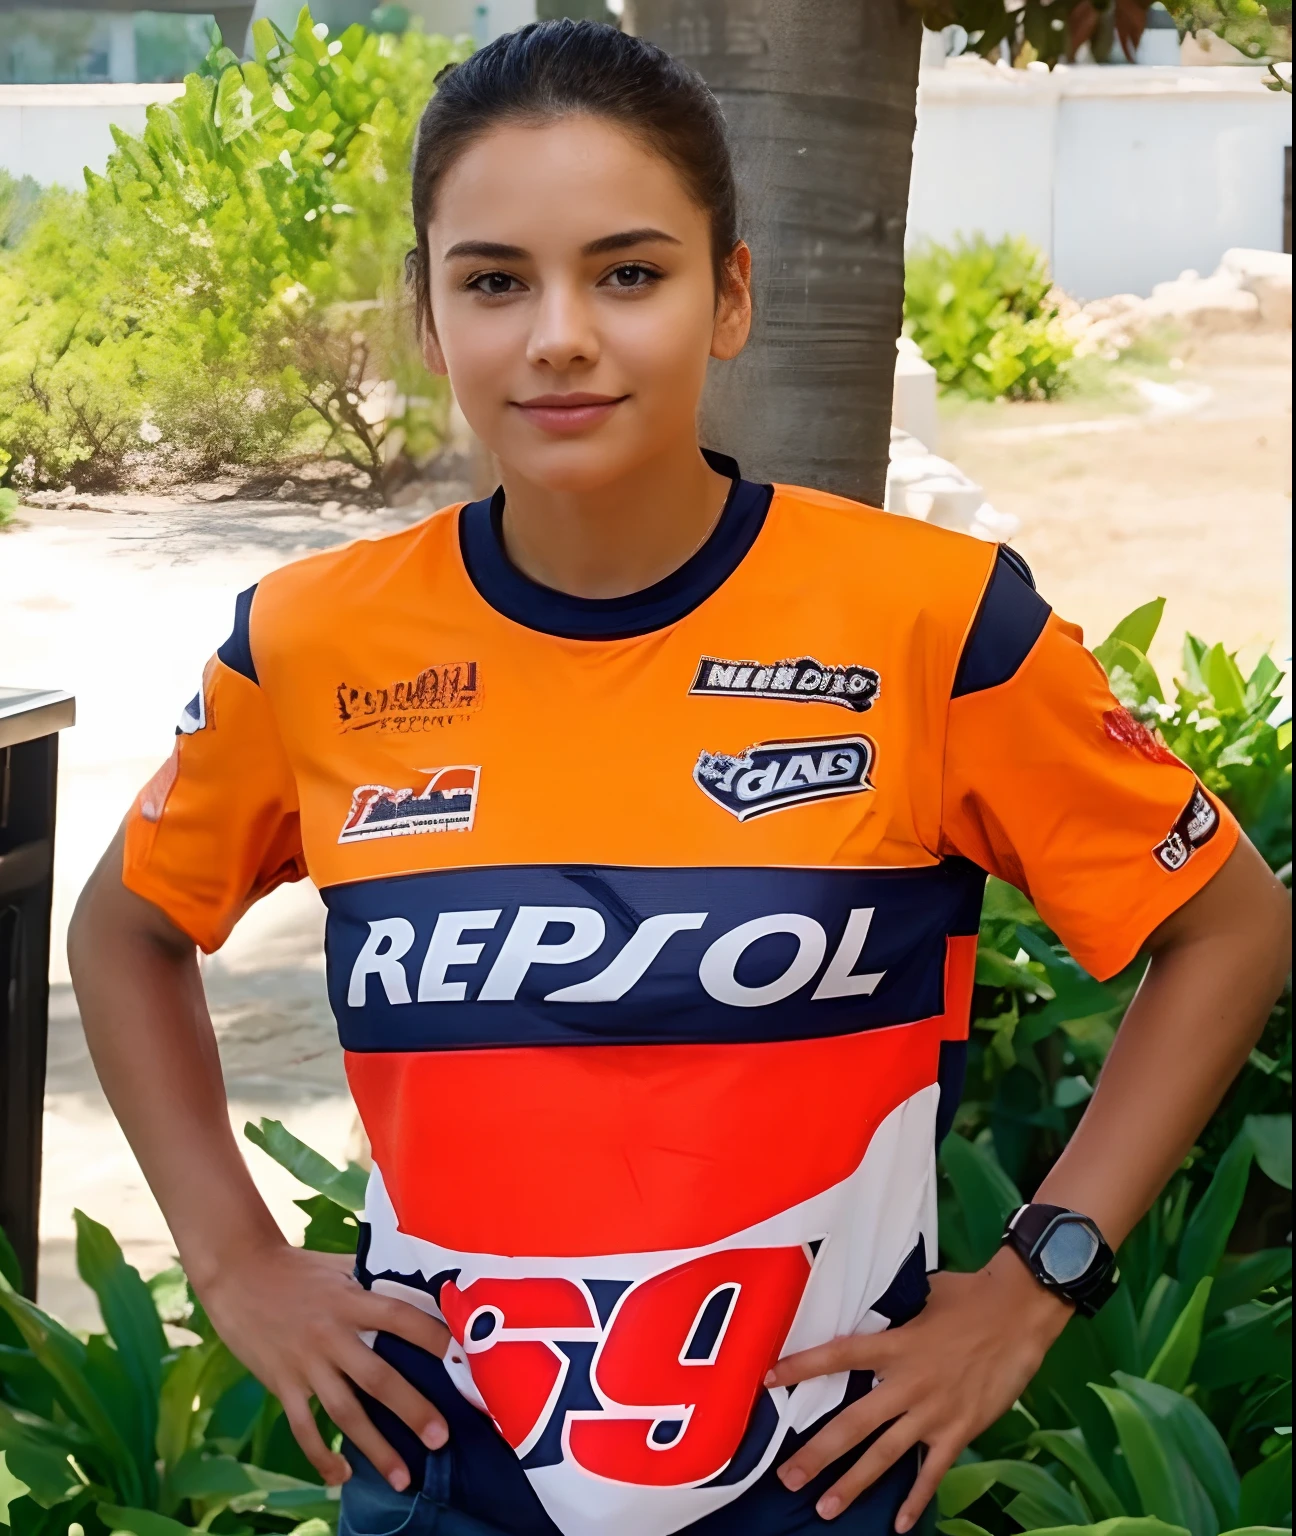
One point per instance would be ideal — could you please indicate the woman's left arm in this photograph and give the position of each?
(1217, 965)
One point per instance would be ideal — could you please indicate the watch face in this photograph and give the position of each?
(1068, 1251)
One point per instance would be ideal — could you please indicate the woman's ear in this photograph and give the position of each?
(433, 356)
(733, 314)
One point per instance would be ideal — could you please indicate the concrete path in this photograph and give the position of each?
(123, 608)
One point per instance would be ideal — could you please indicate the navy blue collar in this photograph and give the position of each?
(551, 612)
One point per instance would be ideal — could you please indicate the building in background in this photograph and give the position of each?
(1123, 176)
(98, 42)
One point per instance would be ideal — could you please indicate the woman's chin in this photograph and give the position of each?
(572, 466)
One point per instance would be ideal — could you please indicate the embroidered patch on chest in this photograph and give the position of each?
(775, 775)
(800, 681)
(447, 803)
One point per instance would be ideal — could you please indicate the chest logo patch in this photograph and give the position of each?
(447, 803)
(437, 697)
(803, 681)
(775, 775)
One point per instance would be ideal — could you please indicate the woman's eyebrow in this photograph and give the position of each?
(490, 250)
(625, 238)
(493, 250)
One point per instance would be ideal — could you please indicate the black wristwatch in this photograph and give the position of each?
(1066, 1253)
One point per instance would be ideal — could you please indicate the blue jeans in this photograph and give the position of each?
(372, 1507)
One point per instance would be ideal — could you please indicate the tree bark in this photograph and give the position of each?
(820, 97)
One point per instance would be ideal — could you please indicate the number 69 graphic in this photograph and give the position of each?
(675, 1371)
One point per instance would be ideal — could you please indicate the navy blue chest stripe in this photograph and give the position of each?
(1010, 620)
(531, 955)
(236, 651)
(550, 612)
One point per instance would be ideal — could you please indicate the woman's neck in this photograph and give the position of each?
(621, 538)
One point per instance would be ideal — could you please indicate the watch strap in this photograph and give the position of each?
(1026, 1232)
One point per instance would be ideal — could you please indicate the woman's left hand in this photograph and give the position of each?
(941, 1380)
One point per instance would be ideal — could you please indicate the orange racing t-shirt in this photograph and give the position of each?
(652, 925)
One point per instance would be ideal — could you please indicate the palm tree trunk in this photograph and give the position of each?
(820, 99)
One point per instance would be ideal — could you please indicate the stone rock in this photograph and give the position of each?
(287, 491)
(412, 495)
(913, 395)
(1268, 275)
(1209, 304)
(1249, 290)
(923, 485)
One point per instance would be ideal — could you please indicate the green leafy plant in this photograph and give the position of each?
(1256, 29)
(229, 292)
(1041, 1025)
(983, 316)
(1172, 1409)
(1053, 29)
(1174, 1403)
(144, 1430)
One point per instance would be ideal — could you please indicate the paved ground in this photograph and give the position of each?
(123, 608)
(1117, 509)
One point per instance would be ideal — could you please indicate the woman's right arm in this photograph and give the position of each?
(292, 1316)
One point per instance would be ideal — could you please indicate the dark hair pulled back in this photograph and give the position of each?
(554, 69)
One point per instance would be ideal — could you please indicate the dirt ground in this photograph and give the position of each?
(1117, 508)
(1183, 492)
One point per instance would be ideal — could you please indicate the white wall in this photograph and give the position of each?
(1148, 186)
(49, 132)
(1123, 176)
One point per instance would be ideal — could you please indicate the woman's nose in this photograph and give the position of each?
(564, 335)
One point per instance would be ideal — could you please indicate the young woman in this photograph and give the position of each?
(651, 808)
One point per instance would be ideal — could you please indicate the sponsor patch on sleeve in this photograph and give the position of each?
(1130, 732)
(1197, 823)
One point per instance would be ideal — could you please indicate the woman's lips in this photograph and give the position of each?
(559, 414)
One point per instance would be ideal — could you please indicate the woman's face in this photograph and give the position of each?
(574, 302)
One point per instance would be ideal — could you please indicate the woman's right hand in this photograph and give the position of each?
(294, 1317)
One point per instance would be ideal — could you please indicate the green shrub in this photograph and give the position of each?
(126, 1430)
(1041, 1025)
(1174, 1404)
(983, 317)
(230, 290)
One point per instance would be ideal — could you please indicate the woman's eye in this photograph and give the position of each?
(631, 275)
(493, 283)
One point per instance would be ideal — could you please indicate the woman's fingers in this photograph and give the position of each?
(329, 1464)
(852, 1352)
(387, 1314)
(380, 1380)
(939, 1459)
(342, 1406)
(880, 1455)
(853, 1424)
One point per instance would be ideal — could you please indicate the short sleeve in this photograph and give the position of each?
(217, 827)
(1055, 787)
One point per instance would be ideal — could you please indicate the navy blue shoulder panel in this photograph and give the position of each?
(1008, 623)
(236, 652)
